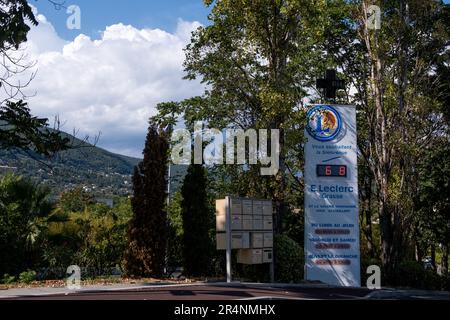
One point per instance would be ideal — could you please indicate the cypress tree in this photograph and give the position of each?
(197, 246)
(145, 256)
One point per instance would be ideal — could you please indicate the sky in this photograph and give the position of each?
(108, 76)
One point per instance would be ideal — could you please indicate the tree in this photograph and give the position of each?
(433, 202)
(175, 233)
(18, 128)
(24, 206)
(259, 60)
(197, 246)
(148, 227)
(255, 57)
(13, 23)
(75, 200)
(402, 109)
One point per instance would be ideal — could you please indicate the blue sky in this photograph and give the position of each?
(97, 14)
(109, 76)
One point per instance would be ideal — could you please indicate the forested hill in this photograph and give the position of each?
(99, 171)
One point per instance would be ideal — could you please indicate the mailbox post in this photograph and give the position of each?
(247, 226)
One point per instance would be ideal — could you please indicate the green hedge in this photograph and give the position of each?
(289, 260)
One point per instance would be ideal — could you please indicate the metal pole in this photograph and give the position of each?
(272, 267)
(272, 263)
(228, 236)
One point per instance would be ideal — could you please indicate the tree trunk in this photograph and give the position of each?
(382, 151)
(444, 262)
(419, 252)
(366, 198)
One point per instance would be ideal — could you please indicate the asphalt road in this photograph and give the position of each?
(209, 292)
(236, 291)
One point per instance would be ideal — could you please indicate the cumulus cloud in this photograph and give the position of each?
(112, 84)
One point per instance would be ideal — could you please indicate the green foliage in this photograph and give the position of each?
(27, 277)
(34, 236)
(294, 226)
(20, 130)
(148, 228)
(94, 237)
(433, 203)
(412, 274)
(75, 200)
(7, 279)
(175, 233)
(13, 16)
(197, 222)
(24, 207)
(289, 260)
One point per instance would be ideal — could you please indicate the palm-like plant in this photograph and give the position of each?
(24, 208)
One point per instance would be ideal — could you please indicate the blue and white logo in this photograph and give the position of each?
(324, 123)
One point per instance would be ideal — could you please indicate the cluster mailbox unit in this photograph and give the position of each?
(251, 228)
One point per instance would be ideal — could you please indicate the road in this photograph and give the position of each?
(232, 292)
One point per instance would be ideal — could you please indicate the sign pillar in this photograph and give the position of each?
(332, 253)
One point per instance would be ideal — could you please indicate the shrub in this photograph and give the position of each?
(289, 260)
(412, 274)
(7, 279)
(445, 282)
(27, 276)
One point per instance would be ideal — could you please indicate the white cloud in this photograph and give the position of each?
(110, 85)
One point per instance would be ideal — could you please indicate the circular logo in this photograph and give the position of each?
(324, 123)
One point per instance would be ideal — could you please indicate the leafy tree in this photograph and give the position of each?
(175, 233)
(75, 200)
(433, 211)
(401, 108)
(94, 237)
(256, 58)
(197, 245)
(13, 16)
(148, 227)
(24, 207)
(18, 128)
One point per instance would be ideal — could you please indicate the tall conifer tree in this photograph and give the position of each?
(147, 234)
(196, 222)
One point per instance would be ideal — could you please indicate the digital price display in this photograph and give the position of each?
(331, 170)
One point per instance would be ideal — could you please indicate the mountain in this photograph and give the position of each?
(99, 171)
(103, 173)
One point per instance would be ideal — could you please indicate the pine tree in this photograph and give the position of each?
(197, 247)
(147, 233)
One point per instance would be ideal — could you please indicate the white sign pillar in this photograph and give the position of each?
(332, 252)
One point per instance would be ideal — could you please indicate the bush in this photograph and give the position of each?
(289, 260)
(7, 279)
(412, 274)
(445, 282)
(27, 276)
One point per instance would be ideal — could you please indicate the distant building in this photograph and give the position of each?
(106, 201)
(7, 169)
